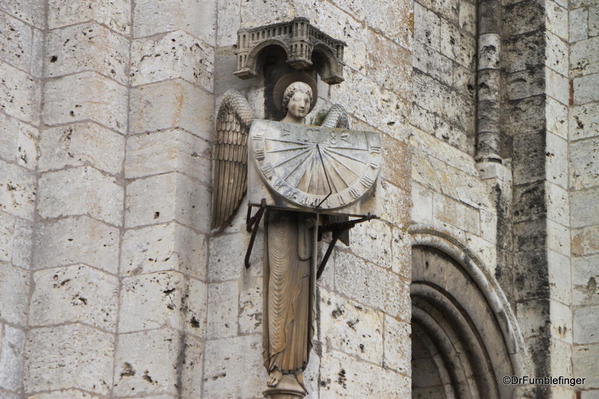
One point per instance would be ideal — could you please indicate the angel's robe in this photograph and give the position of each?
(288, 292)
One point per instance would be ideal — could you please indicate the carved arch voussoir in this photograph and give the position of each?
(442, 240)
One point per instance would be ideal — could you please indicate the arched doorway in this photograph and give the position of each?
(459, 349)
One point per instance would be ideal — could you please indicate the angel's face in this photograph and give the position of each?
(299, 104)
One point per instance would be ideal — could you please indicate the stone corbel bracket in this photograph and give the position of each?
(305, 46)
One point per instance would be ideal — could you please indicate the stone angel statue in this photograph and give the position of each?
(233, 123)
(288, 281)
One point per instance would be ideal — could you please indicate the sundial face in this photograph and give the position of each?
(316, 167)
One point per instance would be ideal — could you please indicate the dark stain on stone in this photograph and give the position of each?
(127, 370)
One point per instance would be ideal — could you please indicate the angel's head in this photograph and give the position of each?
(297, 100)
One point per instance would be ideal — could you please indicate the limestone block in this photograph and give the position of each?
(17, 42)
(488, 225)
(586, 89)
(396, 204)
(192, 374)
(17, 190)
(522, 51)
(227, 253)
(584, 121)
(163, 198)
(389, 64)
(583, 57)
(446, 8)
(402, 253)
(223, 309)
(397, 345)
(561, 321)
(195, 307)
(137, 373)
(557, 202)
(12, 344)
(449, 155)
(583, 207)
(394, 20)
(427, 27)
(560, 277)
(373, 241)
(578, 20)
(72, 394)
(331, 20)
(432, 62)
(116, 14)
(19, 94)
(18, 142)
(170, 56)
(69, 356)
(266, 12)
(586, 325)
(250, 306)
(526, 83)
(557, 86)
(351, 328)
(74, 294)
(233, 368)
(15, 240)
(29, 11)
(79, 191)
(467, 17)
(171, 104)
(84, 96)
(557, 19)
(584, 163)
(584, 241)
(76, 240)
(525, 116)
(523, 17)
(532, 316)
(594, 394)
(457, 45)
(197, 17)
(371, 285)
(422, 200)
(86, 47)
(152, 300)
(558, 237)
(556, 161)
(585, 276)
(447, 210)
(560, 351)
(79, 144)
(594, 21)
(529, 149)
(556, 53)
(343, 376)
(229, 17)
(584, 362)
(164, 247)
(170, 151)
(557, 117)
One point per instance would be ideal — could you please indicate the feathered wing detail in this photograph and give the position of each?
(336, 117)
(229, 154)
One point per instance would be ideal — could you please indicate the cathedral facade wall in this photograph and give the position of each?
(112, 283)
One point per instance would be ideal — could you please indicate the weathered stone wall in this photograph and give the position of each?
(584, 190)
(21, 38)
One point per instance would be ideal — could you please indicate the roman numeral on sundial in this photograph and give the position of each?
(366, 181)
(267, 171)
(354, 192)
(375, 148)
(259, 153)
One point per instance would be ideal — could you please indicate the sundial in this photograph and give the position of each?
(315, 167)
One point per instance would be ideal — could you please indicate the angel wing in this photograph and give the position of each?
(229, 154)
(336, 117)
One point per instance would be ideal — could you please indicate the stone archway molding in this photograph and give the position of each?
(444, 241)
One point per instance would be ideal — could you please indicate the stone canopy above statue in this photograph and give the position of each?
(304, 45)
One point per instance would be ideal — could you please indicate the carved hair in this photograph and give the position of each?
(294, 88)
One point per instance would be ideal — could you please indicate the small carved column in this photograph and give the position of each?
(488, 86)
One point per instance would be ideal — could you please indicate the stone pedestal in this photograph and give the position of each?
(287, 388)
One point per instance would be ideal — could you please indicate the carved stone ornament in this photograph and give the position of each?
(302, 43)
(306, 180)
